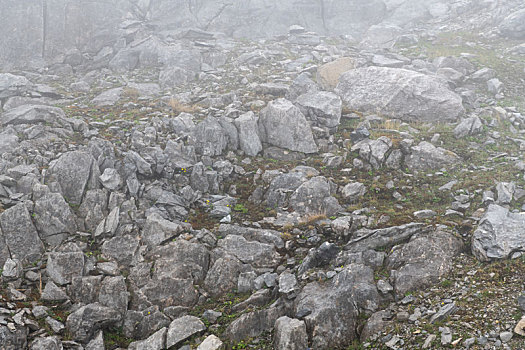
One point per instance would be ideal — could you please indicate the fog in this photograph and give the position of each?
(46, 29)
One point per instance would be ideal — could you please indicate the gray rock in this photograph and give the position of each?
(66, 263)
(372, 239)
(250, 252)
(183, 328)
(287, 283)
(320, 256)
(513, 26)
(142, 324)
(426, 156)
(499, 234)
(86, 321)
(13, 85)
(157, 341)
(505, 191)
(314, 197)
(172, 77)
(494, 86)
(167, 291)
(373, 152)
(253, 324)
(223, 276)
(210, 138)
(211, 342)
(157, 230)
(12, 270)
(399, 93)
(96, 343)
(249, 141)
(54, 219)
(468, 126)
(425, 214)
(13, 339)
(445, 311)
(121, 248)
(353, 191)
(53, 293)
(55, 325)
(110, 179)
(108, 97)
(35, 114)
(321, 108)
(47, 343)
(301, 85)
(290, 334)
(422, 261)
(19, 235)
(283, 125)
(505, 336)
(75, 172)
(113, 293)
(331, 307)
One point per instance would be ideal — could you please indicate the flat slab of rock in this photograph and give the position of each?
(183, 328)
(499, 234)
(399, 93)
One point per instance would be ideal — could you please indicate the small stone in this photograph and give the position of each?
(211, 343)
(384, 287)
(428, 342)
(505, 336)
(425, 214)
(446, 335)
(212, 315)
(402, 316)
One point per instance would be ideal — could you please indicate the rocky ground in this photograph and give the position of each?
(303, 191)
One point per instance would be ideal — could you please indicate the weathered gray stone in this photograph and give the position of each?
(426, 156)
(110, 179)
(183, 328)
(13, 339)
(96, 343)
(468, 126)
(86, 321)
(13, 85)
(513, 26)
(75, 172)
(168, 291)
(422, 261)
(211, 342)
(321, 108)
(499, 234)
(35, 114)
(54, 219)
(399, 93)
(12, 270)
(65, 264)
(53, 293)
(157, 341)
(249, 141)
(108, 97)
(314, 197)
(353, 191)
(210, 138)
(114, 294)
(223, 276)
(47, 343)
(19, 234)
(373, 152)
(250, 252)
(158, 230)
(290, 334)
(283, 125)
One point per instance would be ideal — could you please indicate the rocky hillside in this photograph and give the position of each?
(187, 189)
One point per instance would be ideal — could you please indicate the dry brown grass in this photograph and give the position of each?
(179, 107)
(131, 93)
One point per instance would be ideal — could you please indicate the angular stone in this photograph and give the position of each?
(499, 234)
(321, 107)
(158, 230)
(47, 343)
(223, 276)
(211, 342)
(87, 320)
(19, 234)
(328, 74)
(426, 156)
(249, 141)
(250, 252)
(54, 219)
(75, 172)
(468, 126)
(35, 114)
(353, 191)
(210, 138)
(157, 341)
(110, 179)
(283, 125)
(65, 264)
(183, 328)
(290, 334)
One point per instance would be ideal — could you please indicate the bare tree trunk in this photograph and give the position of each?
(44, 27)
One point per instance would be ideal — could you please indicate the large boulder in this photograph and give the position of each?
(75, 172)
(283, 125)
(513, 26)
(321, 107)
(315, 197)
(87, 320)
(422, 261)
(249, 141)
(499, 234)
(19, 235)
(35, 114)
(210, 137)
(54, 219)
(13, 85)
(399, 93)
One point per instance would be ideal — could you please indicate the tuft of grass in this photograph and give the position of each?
(179, 107)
